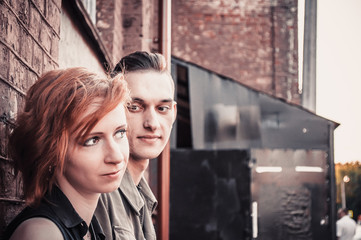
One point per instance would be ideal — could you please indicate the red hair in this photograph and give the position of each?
(39, 141)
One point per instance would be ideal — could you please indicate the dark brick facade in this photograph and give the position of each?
(28, 47)
(132, 26)
(252, 41)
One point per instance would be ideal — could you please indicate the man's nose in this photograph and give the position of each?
(151, 120)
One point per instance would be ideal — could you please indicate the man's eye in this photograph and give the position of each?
(133, 107)
(91, 141)
(121, 133)
(164, 108)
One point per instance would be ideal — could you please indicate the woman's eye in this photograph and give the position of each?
(91, 141)
(120, 133)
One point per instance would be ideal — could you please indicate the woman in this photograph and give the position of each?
(70, 145)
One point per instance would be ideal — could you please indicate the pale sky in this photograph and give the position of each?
(338, 73)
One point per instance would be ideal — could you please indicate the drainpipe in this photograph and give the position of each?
(332, 204)
(165, 30)
(309, 56)
(164, 158)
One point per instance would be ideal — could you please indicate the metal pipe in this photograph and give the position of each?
(309, 56)
(343, 195)
(333, 212)
(164, 158)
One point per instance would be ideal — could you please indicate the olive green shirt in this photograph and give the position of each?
(126, 213)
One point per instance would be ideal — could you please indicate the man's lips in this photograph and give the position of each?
(149, 137)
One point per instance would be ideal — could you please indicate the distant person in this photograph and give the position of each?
(127, 213)
(345, 226)
(358, 228)
(70, 145)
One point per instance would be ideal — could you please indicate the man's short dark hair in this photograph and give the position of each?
(138, 61)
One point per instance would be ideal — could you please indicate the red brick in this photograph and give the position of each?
(35, 22)
(12, 35)
(37, 61)
(4, 21)
(40, 4)
(12, 185)
(26, 46)
(242, 32)
(4, 59)
(57, 3)
(54, 15)
(22, 10)
(128, 26)
(54, 51)
(45, 37)
(17, 72)
(16, 68)
(8, 210)
(8, 111)
(48, 64)
(31, 79)
(105, 22)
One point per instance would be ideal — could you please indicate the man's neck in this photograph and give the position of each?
(137, 168)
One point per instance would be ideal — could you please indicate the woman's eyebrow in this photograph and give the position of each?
(137, 99)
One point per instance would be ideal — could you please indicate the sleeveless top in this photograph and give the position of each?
(56, 207)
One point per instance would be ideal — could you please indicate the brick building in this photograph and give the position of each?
(253, 42)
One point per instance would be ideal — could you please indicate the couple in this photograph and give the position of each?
(72, 141)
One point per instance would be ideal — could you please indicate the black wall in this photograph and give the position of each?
(210, 195)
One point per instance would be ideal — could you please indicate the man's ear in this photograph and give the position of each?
(174, 111)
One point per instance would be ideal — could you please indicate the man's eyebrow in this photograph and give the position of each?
(167, 100)
(136, 99)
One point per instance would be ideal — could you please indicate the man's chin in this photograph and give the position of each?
(145, 155)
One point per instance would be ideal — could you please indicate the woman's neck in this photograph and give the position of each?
(83, 203)
(85, 207)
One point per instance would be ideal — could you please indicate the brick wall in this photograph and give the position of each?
(251, 41)
(28, 47)
(127, 26)
(108, 18)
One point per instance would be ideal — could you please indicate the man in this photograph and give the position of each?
(127, 213)
(345, 226)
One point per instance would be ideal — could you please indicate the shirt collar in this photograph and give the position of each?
(63, 208)
(131, 193)
(148, 194)
(97, 228)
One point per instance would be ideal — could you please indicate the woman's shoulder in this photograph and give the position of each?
(37, 228)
